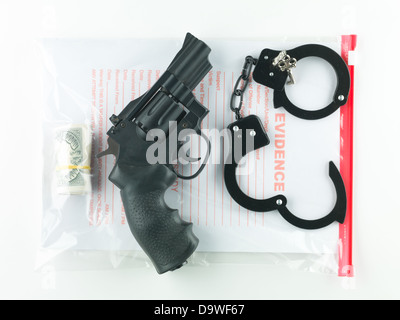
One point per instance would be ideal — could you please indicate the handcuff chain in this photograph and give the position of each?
(239, 92)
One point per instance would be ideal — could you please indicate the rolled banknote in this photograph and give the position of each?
(73, 145)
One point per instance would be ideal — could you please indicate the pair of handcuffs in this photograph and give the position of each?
(272, 69)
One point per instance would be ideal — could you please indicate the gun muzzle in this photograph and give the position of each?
(191, 64)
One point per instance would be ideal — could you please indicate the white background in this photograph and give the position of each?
(377, 133)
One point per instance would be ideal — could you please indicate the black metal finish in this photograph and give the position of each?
(269, 75)
(338, 213)
(245, 77)
(159, 230)
(241, 131)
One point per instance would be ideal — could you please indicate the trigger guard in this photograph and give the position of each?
(173, 169)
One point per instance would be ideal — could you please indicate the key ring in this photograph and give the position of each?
(273, 69)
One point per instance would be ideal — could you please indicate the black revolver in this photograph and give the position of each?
(159, 230)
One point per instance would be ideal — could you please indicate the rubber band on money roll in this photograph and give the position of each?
(70, 167)
(73, 145)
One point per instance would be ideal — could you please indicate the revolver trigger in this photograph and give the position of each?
(188, 158)
(185, 156)
(113, 148)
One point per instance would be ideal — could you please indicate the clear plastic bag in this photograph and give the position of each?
(86, 81)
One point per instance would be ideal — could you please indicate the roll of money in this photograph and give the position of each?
(73, 145)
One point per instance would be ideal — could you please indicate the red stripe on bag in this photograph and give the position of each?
(346, 268)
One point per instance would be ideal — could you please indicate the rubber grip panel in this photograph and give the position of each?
(163, 235)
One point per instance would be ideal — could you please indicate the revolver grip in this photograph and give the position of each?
(163, 235)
